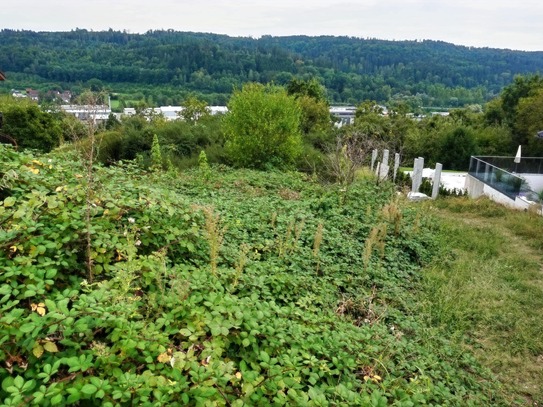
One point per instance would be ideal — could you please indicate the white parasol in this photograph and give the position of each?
(517, 157)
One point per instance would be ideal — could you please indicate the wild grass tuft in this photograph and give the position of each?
(317, 244)
(214, 235)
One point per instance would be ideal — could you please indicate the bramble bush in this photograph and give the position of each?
(237, 288)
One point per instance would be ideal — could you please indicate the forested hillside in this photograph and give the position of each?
(163, 66)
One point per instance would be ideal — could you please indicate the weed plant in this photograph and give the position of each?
(276, 302)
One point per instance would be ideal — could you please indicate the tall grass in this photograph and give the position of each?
(486, 287)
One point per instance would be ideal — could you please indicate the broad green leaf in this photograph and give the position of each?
(18, 382)
(26, 328)
(89, 389)
(264, 356)
(7, 382)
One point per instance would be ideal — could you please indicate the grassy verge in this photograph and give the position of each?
(486, 289)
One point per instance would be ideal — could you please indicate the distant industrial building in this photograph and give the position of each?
(98, 114)
(344, 114)
(171, 112)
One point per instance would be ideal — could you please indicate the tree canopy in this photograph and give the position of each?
(163, 67)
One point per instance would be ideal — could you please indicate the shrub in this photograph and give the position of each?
(262, 127)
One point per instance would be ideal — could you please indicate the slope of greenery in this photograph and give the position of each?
(162, 66)
(216, 287)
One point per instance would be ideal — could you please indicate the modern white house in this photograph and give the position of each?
(511, 181)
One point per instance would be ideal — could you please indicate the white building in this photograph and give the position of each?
(172, 112)
(98, 114)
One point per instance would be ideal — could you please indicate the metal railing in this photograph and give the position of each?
(502, 174)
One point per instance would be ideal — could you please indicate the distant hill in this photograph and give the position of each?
(352, 69)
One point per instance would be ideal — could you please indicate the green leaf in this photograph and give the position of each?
(38, 397)
(7, 382)
(185, 332)
(89, 389)
(18, 382)
(26, 328)
(50, 273)
(56, 400)
(264, 356)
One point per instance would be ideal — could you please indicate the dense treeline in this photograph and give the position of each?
(161, 67)
(275, 126)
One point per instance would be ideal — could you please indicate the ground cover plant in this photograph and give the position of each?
(216, 287)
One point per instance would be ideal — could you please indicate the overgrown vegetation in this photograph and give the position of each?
(290, 127)
(127, 282)
(234, 288)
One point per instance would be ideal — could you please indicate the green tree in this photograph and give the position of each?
(522, 86)
(426, 140)
(194, 109)
(262, 127)
(528, 122)
(493, 112)
(29, 126)
(312, 88)
(457, 148)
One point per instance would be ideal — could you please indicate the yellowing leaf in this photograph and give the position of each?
(238, 375)
(50, 347)
(164, 357)
(58, 189)
(78, 176)
(13, 249)
(37, 350)
(34, 170)
(9, 201)
(37, 162)
(39, 308)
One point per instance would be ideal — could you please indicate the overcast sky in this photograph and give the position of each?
(480, 23)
